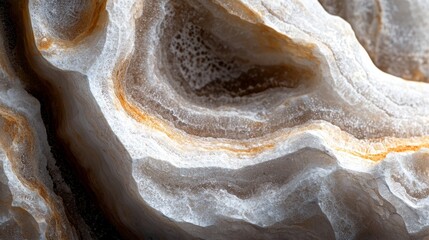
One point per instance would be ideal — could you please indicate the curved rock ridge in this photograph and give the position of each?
(247, 119)
(29, 209)
(395, 33)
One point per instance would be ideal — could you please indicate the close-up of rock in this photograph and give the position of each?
(214, 119)
(28, 207)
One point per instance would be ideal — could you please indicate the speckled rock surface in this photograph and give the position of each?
(247, 119)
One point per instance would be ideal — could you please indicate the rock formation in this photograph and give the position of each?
(395, 33)
(247, 119)
(28, 207)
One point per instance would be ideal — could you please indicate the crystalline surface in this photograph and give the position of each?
(28, 207)
(217, 119)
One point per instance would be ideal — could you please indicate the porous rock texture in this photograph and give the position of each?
(244, 119)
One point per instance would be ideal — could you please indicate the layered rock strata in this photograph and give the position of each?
(394, 33)
(29, 209)
(247, 119)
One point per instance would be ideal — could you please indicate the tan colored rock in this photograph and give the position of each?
(247, 119)
(29, 209)
(395, 33)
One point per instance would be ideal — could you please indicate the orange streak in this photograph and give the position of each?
(270, 39)
(97, 18)
(16, 129)
(376, 157)
(157, 124)
(398, 145)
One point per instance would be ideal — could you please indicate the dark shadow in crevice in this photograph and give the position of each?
(80, 204)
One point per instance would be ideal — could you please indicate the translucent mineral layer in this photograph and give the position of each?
(28, 207)
(394, 32)
(230, 119)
